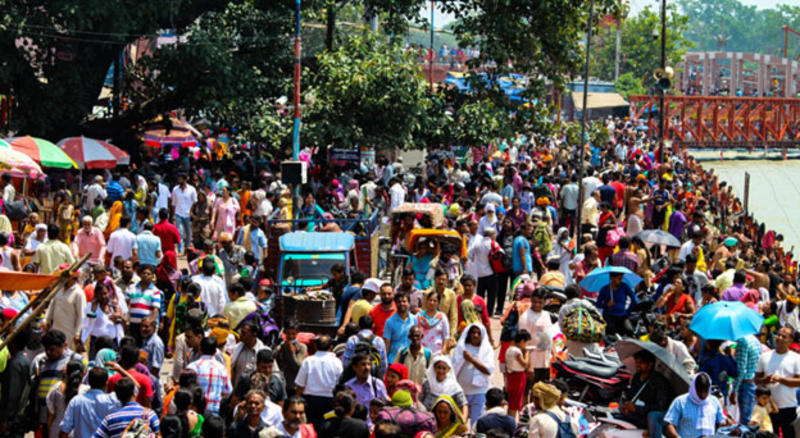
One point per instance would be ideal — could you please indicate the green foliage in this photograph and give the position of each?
(627, 84)
(221, 72)
(481, 122)
(54, 94)
(367, 92)
(640, 53)
(728, 25)
(542, 37)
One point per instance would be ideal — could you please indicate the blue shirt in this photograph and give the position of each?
(258, 241)
(148, 244)
(619, 296)
(683, 414)
(349, 293)
(516, 261)
(396, 332)
(114, 424)
(86, 411)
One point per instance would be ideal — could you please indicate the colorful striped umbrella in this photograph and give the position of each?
(43, 152)
(159, 134)
(16, 163)
(89, 153)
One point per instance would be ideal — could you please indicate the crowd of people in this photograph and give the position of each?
(165, 329)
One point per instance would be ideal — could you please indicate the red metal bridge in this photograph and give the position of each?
(723, 121)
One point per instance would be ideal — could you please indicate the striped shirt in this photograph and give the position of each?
(748, 350)
(144, 301)
(114, 424)
(213, 377)
(49, 374)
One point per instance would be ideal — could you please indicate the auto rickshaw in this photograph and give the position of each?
(443, 243)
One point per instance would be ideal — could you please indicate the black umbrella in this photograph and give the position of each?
(666, 364)
(658, 237)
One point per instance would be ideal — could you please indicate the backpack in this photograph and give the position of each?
(510, 326)
(404, 353)
(17, 210)
(410, 421)
(564, 427)
(583, 325)
(268, 331)
(139, 427)
(365, 346)
(496, 258)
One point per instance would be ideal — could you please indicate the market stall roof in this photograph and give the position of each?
(13, 280)
(598, 100)
(317, 242)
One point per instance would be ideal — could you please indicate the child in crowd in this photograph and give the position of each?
(516, 366)
(762, 410)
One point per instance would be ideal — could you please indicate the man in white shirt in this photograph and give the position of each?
(676, 349)
(212, 288)
(9, 192)
(397, 194)
(94, 191)
(591, 214)
(479, 255)
(590, 184)
(162, 196)
(779, 370)
(183, 197)
(316, 379)
(538, 323)
(121, 242)
(66, 313)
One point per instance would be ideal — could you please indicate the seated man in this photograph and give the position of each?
(682, 418)
(649, 396)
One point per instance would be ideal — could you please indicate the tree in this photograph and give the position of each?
(740, 27)
(627, 84)
(367, 92)
(641, 53)
(65, 49)
(539, 37)
(221, 73)
(481, 122)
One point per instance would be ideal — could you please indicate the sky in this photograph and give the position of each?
(442, 19)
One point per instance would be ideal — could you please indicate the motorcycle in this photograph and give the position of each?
(598, 378)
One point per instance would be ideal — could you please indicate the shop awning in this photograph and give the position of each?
(598, 100)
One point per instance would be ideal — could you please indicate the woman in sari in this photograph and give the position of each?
(66, 220)
(449, 421)
(167, 274)
(200, 214)
(441, 381)
(114, 215)
(223, 215)
(434, 323)
(141, 191)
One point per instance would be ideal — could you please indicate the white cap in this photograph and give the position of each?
(372, 284)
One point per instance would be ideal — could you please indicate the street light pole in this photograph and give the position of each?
(297, 52)
(584, 119)
(662, 119)
(430, 64)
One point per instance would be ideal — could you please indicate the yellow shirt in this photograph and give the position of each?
(235, 311)
(761, 418)
(360, 308)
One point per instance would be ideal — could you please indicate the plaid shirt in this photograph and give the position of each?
(626, 259)
(214, 379)
(748, 350)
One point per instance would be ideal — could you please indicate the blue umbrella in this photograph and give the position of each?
(726, 320)
(599, 278)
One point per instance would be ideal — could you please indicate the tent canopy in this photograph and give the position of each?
(598, 100)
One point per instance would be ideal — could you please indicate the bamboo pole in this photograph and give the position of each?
(39, 304)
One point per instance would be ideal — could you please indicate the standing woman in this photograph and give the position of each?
(103, 318)
(223, 215)
(606, 223)
(66, 219)
(440, 381)
(141, 191)
(200, 214)
(59, 397)
(506, 241)
(449, 421)
(473, 363)
(434, 323)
